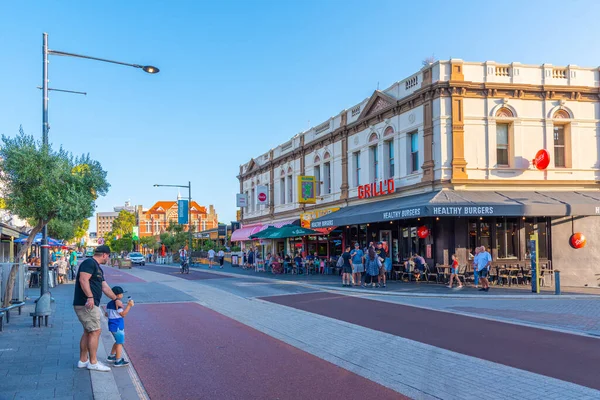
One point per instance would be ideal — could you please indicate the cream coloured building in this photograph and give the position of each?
(457, 140)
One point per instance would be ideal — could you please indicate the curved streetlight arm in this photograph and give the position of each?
(64, 53)
(180, 186)
(147, 68)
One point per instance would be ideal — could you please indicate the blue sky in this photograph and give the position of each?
(239, 77)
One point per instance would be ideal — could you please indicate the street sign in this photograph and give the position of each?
(234, 226)
(222, 230)
(241, 200)
(182, 212)
(307, 190)
(535, 263)
(262, 194)
(136, 233)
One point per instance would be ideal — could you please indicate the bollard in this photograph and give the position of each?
(557, 282)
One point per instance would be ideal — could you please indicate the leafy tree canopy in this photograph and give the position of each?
(41, 184)
(123, 224)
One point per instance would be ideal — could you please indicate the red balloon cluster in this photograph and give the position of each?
(541, 160)
(423, 232)
(578, 240)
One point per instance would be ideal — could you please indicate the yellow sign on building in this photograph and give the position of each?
(307, 190)
(306, 217)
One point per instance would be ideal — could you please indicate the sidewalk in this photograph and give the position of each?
(41, 363)
(399, 288)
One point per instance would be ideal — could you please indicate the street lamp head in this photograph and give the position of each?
(150, 69)
(155, 185)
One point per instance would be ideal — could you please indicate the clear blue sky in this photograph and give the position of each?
(239, 77)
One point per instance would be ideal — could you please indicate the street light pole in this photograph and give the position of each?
(45, 129)
(189, 187)
(190, 217)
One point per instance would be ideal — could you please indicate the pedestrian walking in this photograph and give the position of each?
(383, 258)
(116, 325)
(211, 257)
(89, 286)
(61, 268)
(221, 256)
(454, 272)
(73, 263)
(372, 265)
(346, 268)
(484, 261)
(357, 264)
(475, 271)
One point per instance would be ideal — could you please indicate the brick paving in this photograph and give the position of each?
(41, 363)
(404, 365)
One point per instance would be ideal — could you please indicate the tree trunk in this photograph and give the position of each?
(10, 284)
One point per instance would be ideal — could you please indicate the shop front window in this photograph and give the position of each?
(484, 235)
(507, 238)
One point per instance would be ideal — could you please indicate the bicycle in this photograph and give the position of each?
(185, 267)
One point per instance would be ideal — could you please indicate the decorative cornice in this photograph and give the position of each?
(438, 89)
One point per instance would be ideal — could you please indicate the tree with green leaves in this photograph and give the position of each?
(149, 242)
(41, 184)
(123, 224)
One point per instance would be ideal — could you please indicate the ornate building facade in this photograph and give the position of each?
(450, 149)
(157, 218)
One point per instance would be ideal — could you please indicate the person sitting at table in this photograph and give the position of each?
(419, 266)
(298, 263)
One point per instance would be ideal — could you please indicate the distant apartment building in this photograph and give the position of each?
(104, 220)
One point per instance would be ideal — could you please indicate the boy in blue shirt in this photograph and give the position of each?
(116, 325)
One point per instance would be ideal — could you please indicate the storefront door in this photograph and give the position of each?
(386, 238)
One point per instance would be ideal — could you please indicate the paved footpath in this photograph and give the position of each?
(209, 335)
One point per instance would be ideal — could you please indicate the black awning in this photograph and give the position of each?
(467, 204)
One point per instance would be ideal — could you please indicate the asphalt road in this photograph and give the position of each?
(571, 358)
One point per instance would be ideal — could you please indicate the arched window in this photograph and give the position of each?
(504, 113)
(561, 114)
(373, 137)
(316, 160)
(388, 131)
(326, 156)
(562, 139)
(504, 132)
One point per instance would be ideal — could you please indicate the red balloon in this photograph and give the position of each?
(578, 240)
(542, 159)
(422, 232)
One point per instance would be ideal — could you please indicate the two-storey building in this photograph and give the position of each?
(442, 162)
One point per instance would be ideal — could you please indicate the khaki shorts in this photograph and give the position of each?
(90, 319)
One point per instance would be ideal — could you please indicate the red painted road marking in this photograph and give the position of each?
(186, 351)
(114, 275)
(571, 358)
(192, 276)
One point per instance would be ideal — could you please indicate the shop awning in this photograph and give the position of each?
(243, 234)
(443, 203)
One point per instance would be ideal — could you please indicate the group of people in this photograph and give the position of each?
(373, 261)
(482, 261)
(64, 263)
(89, 287)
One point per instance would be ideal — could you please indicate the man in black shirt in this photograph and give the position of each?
(89, 286)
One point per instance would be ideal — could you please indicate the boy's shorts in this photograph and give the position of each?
(119, 336)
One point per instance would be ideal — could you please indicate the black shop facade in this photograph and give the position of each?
(439, 223)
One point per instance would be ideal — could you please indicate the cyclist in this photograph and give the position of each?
(185, 266)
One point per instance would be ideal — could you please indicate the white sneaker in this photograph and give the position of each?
(98, 367)
(82, 364)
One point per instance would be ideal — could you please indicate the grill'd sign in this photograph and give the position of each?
(376, 189)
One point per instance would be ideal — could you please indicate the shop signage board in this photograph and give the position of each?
(222, 230)
(241, 200)
(136, 233)
(306, 217)
(182, 212)
(376, 189)
(307, 189)
(262, 194)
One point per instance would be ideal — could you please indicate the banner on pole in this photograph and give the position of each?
(182, 212)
